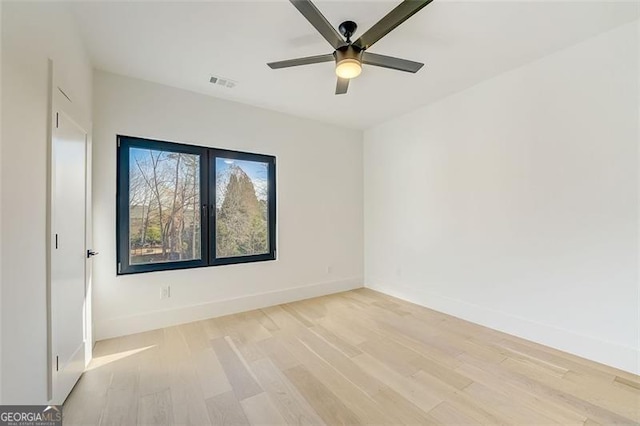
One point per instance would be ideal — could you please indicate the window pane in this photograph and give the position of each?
(241, 208)
(164, 206)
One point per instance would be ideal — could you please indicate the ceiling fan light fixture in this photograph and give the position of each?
(350, 55)
(348, 68)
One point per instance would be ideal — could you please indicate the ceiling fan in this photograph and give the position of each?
(349, 56)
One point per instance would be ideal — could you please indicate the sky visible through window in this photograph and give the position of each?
(256, 171)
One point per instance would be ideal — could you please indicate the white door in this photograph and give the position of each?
(68, 254)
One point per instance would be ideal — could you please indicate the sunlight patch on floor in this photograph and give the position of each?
(107, 359)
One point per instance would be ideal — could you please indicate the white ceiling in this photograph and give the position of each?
(462, 43)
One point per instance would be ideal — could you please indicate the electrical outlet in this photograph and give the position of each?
(165, 292)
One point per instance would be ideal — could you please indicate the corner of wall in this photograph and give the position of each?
(513, 226)
(609, 353)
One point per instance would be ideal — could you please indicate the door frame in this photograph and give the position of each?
(60, 102)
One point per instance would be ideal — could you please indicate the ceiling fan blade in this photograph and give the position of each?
(302, 61)
(342, 86)
(397, 16)
(391, 62)
(319, 22)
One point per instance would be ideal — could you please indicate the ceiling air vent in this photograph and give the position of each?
(223, 82)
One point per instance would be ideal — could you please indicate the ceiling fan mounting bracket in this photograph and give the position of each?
(347, 29)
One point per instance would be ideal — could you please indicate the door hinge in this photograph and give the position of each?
(119, 267)
(118, 142)
(57, 120)
(56, 241)
(56, 362)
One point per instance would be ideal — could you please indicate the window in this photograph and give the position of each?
(183, 206)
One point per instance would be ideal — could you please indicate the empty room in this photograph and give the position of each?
(296, 212)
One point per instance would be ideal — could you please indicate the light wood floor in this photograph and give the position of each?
(358, 357)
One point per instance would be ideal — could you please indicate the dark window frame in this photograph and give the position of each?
(271, 206)
(207, 202)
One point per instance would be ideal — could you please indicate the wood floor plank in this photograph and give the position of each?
(392, 307)
(325, 403)
(554, 389)
(211, 376)
(460, 400)
(447, 375)
(291, 310)
(351, 385)
(248, 348)
(498, 403)
(264, 320)
(617, 397)
(156, 409)
(405, 386)
(261, 411)
(566, 360)
(85, 404)
(336, 341)
(194, 335)
(187, 397)
(241, 380)
(313, 309)
(394, 356)
(286, 397)
(634, 384)
(121, 405)
(225, 410)
(278, 353)
(285, 321)
(153, 372)
(545, 367)
(336, 326)
(340, 362)
(447, 414)
(212, 328)
(357, 357)
(400, 410)
(543, 406)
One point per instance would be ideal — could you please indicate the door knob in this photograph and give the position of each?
(91, 253)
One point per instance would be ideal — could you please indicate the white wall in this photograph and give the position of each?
(0, 204)
(514, 204)
(31, 34)
(319, 206)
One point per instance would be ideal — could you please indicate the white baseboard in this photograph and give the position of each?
(123, 326)
(605, 352)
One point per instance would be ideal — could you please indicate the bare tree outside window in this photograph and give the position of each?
(185, 206)
(164, 201)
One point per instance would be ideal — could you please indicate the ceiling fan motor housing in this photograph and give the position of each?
(348, 52)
